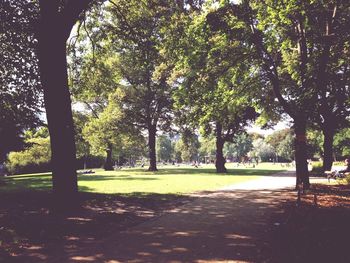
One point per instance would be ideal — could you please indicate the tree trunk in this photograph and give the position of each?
(108, 166)
(152, 148)
(220, 159)
(302, 173)
(53, 73)
(328, 135)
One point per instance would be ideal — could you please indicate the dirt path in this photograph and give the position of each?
(230, 225)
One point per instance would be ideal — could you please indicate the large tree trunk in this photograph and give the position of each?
(152, 148)
(302, 173)
(53, 72)
(328, 135)
(108, 166)
(220, 159)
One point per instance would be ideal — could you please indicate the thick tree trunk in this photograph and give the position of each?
(108, 166)
(53, 72)
(152, 148)
(220, 159)
(328, 135)
(302, 173)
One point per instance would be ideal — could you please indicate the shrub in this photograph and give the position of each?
(36, 158)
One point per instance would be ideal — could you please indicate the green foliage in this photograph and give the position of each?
(164, 147)
(315, 143)
(82, 146)
(20, 89)
(242, 144)
(210, 80)
(35, 158)
(135, 34)
(285, 148)
(207, 146)
(262, 150)
(342, 143)
(187, 147)
(283, 144)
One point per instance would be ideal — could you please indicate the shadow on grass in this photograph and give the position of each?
(27, 226)
(196, 232)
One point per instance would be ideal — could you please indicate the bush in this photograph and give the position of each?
(36, 158)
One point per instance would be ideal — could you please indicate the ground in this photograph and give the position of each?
(258, 220)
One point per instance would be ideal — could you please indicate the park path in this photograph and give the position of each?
(230, 225)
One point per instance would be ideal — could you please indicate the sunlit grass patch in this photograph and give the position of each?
(168, 180)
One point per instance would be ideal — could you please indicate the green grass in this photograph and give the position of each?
(168, 180)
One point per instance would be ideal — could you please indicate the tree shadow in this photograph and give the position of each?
(217, 226)
(31, 232)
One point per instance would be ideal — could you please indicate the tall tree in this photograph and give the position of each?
(55, 23)
(135, 32)
(107, 131)
(242, 144)
(20, 89)
(165, 149)
(210, 91)
(292, 42)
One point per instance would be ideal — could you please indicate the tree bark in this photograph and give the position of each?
(302, 173)
(220, 159)
(328, 135)
(108, 166)
(152, 130)
(54, 79)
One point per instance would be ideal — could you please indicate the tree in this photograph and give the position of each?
(282, 142)
(82, 146)
(207, 148)
(105, 132)
(241, 146)
(315, 142)
(94, 83)
(342, 143)
(135, 31)
(56, 20)
(333, 109)
(262, 150)
(210, 87)
(292, 51)
(20, 89)
(187, 146)
(285, 148)
(35, 157)
(164, 148)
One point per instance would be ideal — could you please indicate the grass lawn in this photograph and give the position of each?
(168, 180)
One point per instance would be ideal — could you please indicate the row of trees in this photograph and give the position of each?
(211, 65)
(131, 151)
